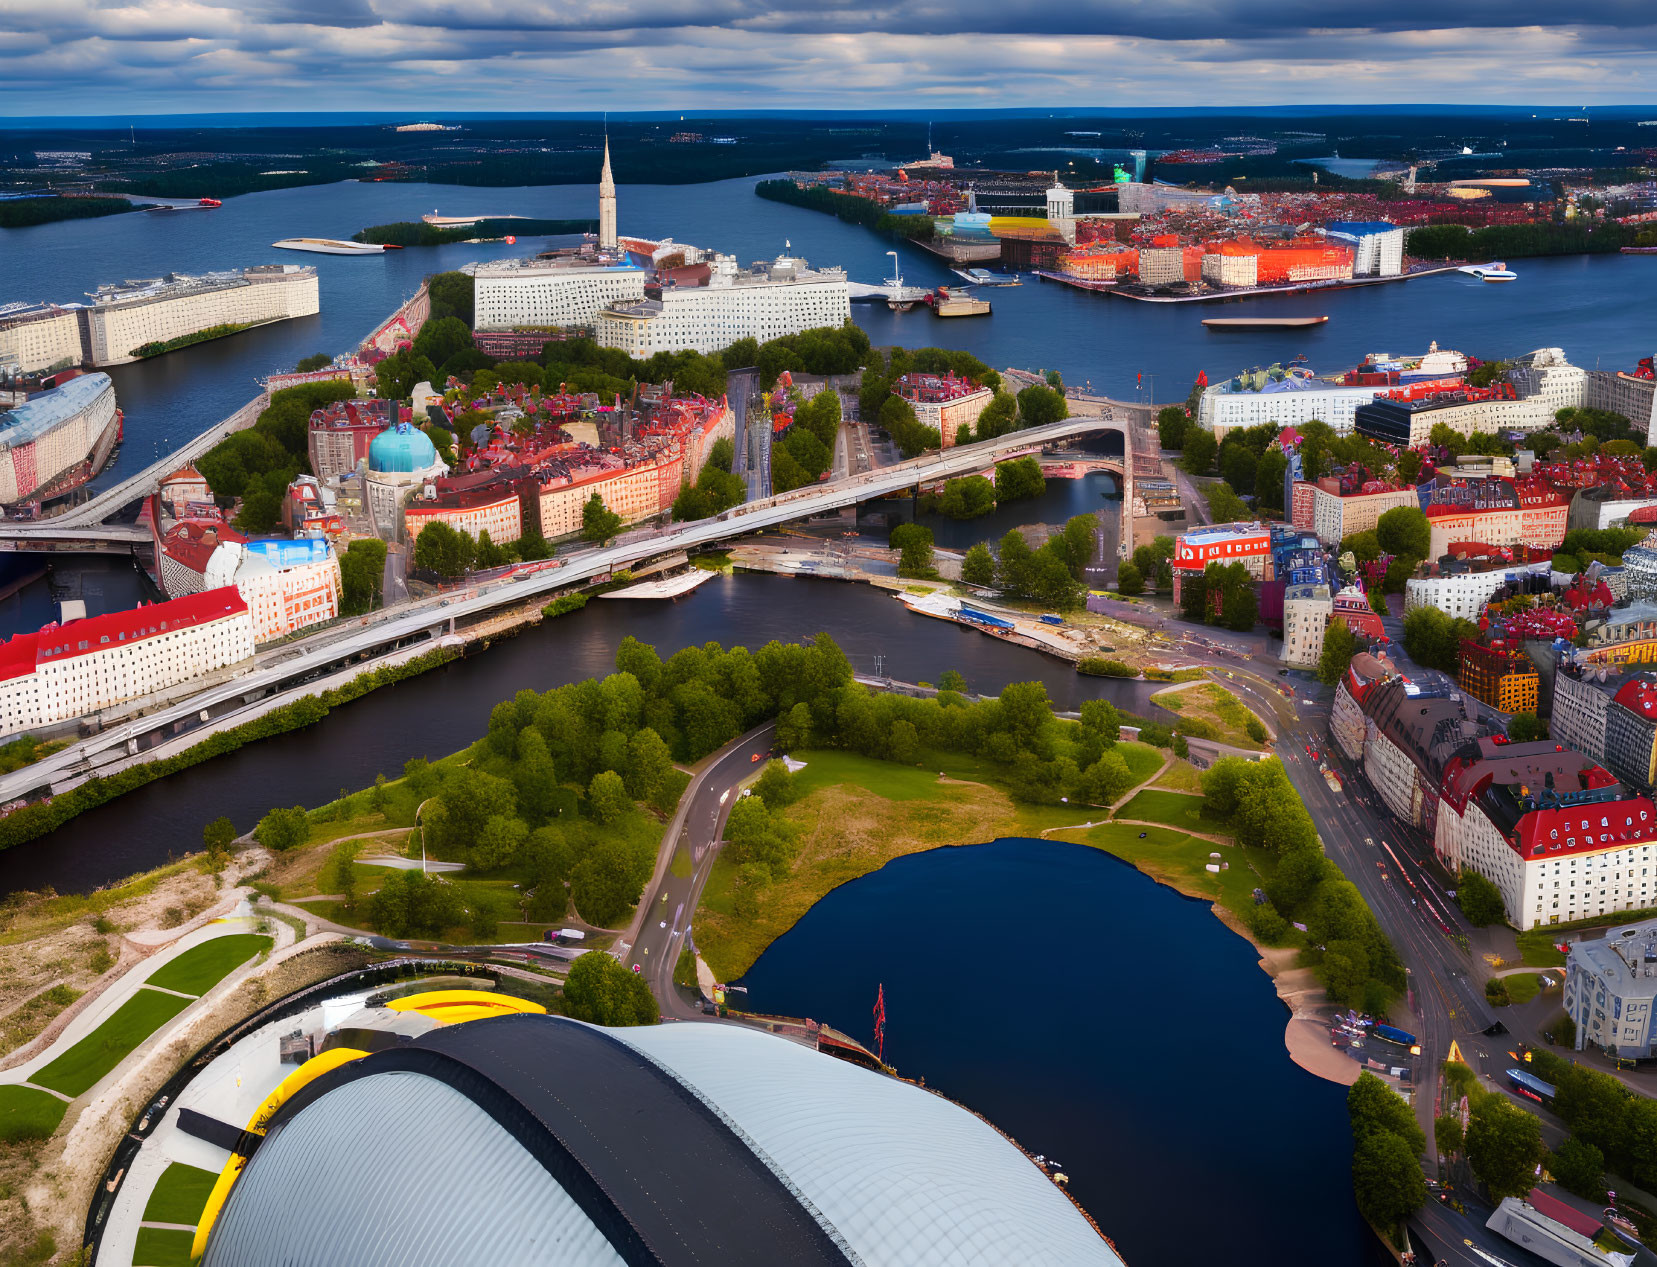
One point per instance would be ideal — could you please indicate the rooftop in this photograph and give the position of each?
(42, 414)
(56, 643)
(1622, 957)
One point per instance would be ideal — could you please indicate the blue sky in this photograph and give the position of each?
(155, 56)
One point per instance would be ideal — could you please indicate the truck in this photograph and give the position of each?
(563, 936)
(1392, 1035)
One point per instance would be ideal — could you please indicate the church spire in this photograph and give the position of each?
(606, 203)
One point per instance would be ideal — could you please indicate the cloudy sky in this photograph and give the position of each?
(149, 56)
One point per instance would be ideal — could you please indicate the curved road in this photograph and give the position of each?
(657, 937)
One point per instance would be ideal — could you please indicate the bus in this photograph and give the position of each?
(1531, 1087)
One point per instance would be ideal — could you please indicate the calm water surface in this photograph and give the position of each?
(1102, 1020)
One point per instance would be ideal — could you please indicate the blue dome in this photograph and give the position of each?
(401, 450)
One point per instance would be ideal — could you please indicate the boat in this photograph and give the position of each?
(333, 246)
(1496, 271)
(955, 301)
(901, 298)
(1639, 250)
(460, 222)
(209, 202)
(983, 277)
(1262, 323)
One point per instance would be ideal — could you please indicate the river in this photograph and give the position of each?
(1102, 1020)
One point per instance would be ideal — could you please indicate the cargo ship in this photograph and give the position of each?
(955, 302)
(1492, 272)
(1262, 323)
(334, 246)
(57, 441)
(983, 277)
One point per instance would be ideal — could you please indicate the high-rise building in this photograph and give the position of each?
(606, 204)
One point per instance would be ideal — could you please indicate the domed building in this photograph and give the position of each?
(463, 1128)
(400, 458)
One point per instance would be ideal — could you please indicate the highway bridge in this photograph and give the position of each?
(48, 537)
(343, 645)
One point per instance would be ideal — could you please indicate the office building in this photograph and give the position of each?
(1611, 988)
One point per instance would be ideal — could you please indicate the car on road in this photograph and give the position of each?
(1282, 673)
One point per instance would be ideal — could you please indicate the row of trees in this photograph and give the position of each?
(1345, 943)
(716, 488)
(1518, 241)
(848, 207)
(1051, 575)
(259, 463)
(449, 552)
(1386, 1142)
(1602, 1114)
(972, 496)
(807, 451)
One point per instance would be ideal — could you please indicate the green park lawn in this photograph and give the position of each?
(1143, 760)
(28, 1113)
(1182, 776)
(162, 1247)
(1180, 860)
(1174, 809)
(1536, 948)
(79, 1068)
(1522, 987)
(202, 967)
(180, 1194)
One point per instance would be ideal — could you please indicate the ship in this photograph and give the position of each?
(901, 298)
(334, 246)
(1382, 369)
(1495, 271)
(1262, 323)
(209, 202)
(201, 204)
(949, 301)
(460, 222)
(983, 277)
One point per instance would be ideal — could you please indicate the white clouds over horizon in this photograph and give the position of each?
(159, 56)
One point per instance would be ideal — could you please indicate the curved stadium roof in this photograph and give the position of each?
(536, 1139)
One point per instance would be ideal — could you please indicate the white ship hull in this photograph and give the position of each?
(330, 246)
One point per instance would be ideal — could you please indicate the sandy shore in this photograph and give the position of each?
(1307, 1033)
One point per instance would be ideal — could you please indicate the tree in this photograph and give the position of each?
(1171, 425)
(1019, 479)
(1105, 780)
(978, 566)
(1387, 1179)
(606, 883)
(1128, 579)
(1447, 1136)
(967, 498)
(1268, 480)
(794, 729)
(998, 416)
(1404, 530)
(598, 522)
(1579, 1167)
(1375, 1107)
(1433, 639)
(1525, 727)
(1480, 900)
(648, 764)
(914, 541)
(396, 376)
(607, 797)
(1038, 406)
(315, 361)
(547, 860)
(498, 844)
(1238, 465)
(1200, 451)
(361, 575)
(485, 919)
(1012, 569)
(1504, 1147)
(599, 990)
(1340, 644)
(218, 835)
(1224, 504)
(443, 549)
(283, 829)
(1365, 546)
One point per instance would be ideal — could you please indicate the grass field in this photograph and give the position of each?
(1225, 714)
(1180, 860)
(1143, 760)
(27, 1113)
(855, 815)
(1536, 948)
(180, 1194)
(162, 1247)
(202, 967)
(1182, 776)
(1522, 987)
(79, 1068)
(1173, 809)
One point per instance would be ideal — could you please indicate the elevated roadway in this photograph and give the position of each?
(49, 536)
(354, 644)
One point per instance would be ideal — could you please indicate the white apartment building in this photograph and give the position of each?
(1231, 270)
(1291, 403)
(1547, 376)
(765, 302)
(123, 319)
(38, 339)
(1306, 611)
(560, 292)
(1578, 849)
(1581, 706)
(286, 584)
(1465, 594)
(1377, 247)
(69, 671)
(1611, 991)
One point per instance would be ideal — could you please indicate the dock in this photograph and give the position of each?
(665, 587)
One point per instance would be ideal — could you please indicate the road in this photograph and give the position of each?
(664, 913)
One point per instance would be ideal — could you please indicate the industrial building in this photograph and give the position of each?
(474, 1121)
